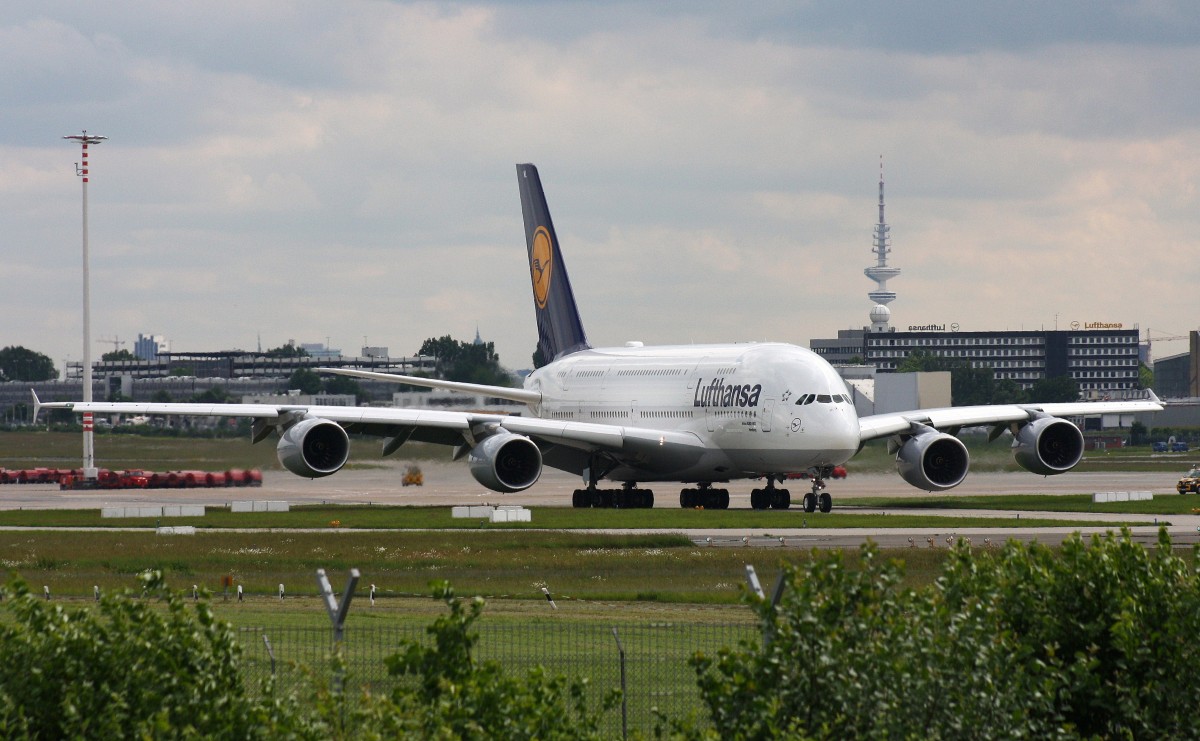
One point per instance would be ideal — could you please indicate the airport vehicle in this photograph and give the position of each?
(1190, 483)
(695, 414)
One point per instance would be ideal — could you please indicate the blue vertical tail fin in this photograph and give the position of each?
(560, 330)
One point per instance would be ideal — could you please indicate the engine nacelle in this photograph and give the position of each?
(506, 463)
(933, 461)
(1048, 446)
(313, 448)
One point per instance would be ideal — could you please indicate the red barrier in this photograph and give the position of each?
(68, 478)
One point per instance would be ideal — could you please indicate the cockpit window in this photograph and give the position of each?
(823, 398)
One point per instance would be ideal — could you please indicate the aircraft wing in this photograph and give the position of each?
(883, 425)
(447, 428)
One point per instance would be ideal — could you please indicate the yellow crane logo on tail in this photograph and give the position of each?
(541, 265)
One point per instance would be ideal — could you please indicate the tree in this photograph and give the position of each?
(307, 381)
(343, 385)
(1145, 376)
(456, 696)
(128, 668)
(21, 364)
(466, 361)
(1093, 640)
(968, 386)
(290, 350)
(121, 354)
(1055, 389)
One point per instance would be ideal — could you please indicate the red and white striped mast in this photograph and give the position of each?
(81, 170)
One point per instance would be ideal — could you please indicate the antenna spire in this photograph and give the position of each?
(880, 272)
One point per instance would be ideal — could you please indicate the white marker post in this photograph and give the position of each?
(337, 613)
(549, 598)
(281, 592)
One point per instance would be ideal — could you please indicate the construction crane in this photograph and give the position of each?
(116, 342)
(1160, 338)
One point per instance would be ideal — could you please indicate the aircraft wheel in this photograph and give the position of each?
(723, 499)
(578, 498)
(810, 502)
(825, 502)
(647, 499)
(685, 499)
(756, 499)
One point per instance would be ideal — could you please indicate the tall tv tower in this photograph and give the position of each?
(881, 271)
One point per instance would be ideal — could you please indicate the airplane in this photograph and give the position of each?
(694, 414)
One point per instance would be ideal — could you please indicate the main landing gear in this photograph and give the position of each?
(704, 496)
(770, 497)
(627, 497)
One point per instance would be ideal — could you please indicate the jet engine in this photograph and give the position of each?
(506, 462)
(1048, 445)
(932, 460)
(313, 448)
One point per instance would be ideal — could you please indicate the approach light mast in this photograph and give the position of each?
(81, 170)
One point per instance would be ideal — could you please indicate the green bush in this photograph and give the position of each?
(133, 668)
(457, 697)
(1094, 640)
(126, 669)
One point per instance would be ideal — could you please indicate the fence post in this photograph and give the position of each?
(270, 653)
(624, 694)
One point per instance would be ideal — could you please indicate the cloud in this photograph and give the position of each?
(306, 169)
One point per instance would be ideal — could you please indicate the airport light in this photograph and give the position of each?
(81, 170)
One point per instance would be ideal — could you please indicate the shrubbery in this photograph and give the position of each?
(1097, 639)
(131, 668)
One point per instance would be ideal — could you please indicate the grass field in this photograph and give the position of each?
(1161, 505)
(386, 517)
(504, 565)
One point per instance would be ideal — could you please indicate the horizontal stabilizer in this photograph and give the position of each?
(500, 392)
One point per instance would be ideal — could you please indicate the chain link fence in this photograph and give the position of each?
(651, 659)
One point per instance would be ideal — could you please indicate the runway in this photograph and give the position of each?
(448, 484)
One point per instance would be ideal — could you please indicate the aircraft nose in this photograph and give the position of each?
(847, 429)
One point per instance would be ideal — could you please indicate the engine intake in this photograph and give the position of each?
(933, 461)
(506, 463)
(1048, 446)
(314, 448)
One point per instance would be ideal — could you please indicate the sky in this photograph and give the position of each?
(343, 172)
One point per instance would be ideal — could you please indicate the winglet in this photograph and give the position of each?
(1154, 397)
(37, 404)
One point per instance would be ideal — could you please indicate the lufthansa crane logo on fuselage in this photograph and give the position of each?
(541, 265)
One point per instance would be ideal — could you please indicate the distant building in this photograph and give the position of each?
(148, 346)
(1099, 360)
(319, 350)
(1178, 376)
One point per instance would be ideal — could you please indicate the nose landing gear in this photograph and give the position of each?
(817, 499)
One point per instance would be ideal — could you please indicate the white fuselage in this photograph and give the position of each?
(758, 408)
